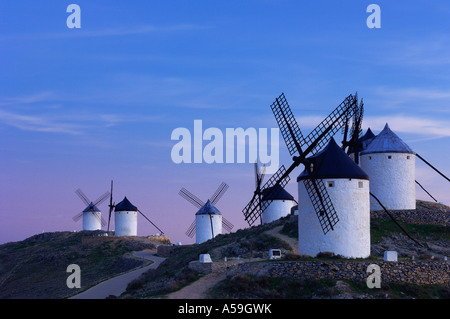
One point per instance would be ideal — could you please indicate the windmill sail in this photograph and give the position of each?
(313, 143)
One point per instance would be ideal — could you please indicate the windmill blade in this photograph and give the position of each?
(426, 191)
(262, 173)
(227, 224)
(77, 217)
(98, 216)
(255, 207)
(345, 142)
(191, 198)
(190, 232)
(354, 145)
(102, 221)
(109, 216)
(322, 134)
(357, 121)
(82, 196)
(111, 205)
(219, 193)
(212, 227)
(432, 167)
(322, 204)
(259, 175)
(101, 199)
(288, 125)
(162, 233)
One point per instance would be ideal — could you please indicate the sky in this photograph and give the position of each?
(80, 107)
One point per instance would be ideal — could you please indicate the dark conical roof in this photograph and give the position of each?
(278, 193)
(387, 142)
(332, 162)
(369, 135)
(91, 208)
(125, 205)
(363, 142)
(208, 209)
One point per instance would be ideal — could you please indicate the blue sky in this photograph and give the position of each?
(79, 107)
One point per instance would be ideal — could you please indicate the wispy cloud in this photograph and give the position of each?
(420, 126)
(38, 113)
(109, 32)
(39, 123)
(412, 99)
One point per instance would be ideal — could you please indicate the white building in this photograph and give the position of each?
(208, 223)
(125, 218)
(92, 218)
(281, 205)
(390, 164)
(348, 187)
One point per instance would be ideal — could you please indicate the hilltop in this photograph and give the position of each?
(36, 266)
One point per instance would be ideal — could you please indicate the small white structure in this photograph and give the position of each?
(281, 205)
(275, 253)
(205, 258)
(348, 187)
(208, 223)
(125, 218)
(92, 218)
(390, 164)
(390, 255)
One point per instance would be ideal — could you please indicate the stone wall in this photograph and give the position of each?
(418, 272)
(417, 216)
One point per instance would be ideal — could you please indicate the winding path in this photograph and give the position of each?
(117, 285)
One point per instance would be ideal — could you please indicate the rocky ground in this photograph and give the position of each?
(431, 230)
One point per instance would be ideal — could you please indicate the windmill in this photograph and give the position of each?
(312, 143)
(125, 215)
(281, 202)
(92, 219)
(208, 219)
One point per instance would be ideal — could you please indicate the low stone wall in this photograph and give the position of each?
(416, 216)
(418, 272)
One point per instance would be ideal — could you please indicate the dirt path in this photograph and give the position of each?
(197, 289)
(291, 241)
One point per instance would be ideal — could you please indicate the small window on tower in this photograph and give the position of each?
(408, 157)
(389, 156)
(360, 184)
(331, 184)
(370, 157)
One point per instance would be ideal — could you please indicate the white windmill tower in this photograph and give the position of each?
(125, 217)
(390, 164)
(347, 186)
(208, 219)
(274, 202)
(92, 218)
(281, 203)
